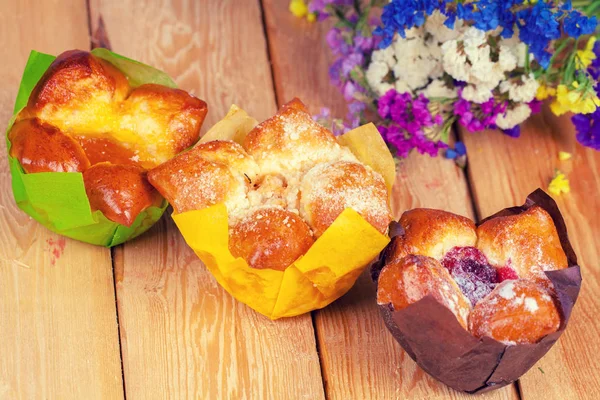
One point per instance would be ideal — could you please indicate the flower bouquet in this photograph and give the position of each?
(417, 67)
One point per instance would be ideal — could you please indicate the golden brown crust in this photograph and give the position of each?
(74, 80)
(270, 238)
(107, 150)
(328, 189)
(291, 141)
(83, 112)
(407, 280)
(40, 147)
(433, 233)
(121, 192)
(517, 311)
(204, 176)
(527, 242)
(83, 95)
(168, 119)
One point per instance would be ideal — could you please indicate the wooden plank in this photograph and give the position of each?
(503, 172)
(58, 327)
(182, 335)
(359, 357)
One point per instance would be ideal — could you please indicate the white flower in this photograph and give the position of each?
(454, 62)
(434, 25)
(437, 88)
(476, 94)
(375, 74)
(402, 87)
(468, 59)
(415, 63)
(523, 91)
(517, 48)
(385, 56)
(507, 61)
(513, 117)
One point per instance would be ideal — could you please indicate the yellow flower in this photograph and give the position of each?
(544, 92)
(586, 56)
(559, 184)
(564, 156)
(299, 8)
(577, 101)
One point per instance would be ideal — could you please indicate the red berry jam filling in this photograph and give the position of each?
(470, 269)
(506, 273)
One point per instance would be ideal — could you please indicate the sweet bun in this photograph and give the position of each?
(527, 243)
(517, 311)
(405, 281)
(291, 142)
(210, 173)
(98, 149)
(270, 238)
(83, 116)
(167, 119)
(329, 188)
(83, 95)
(41, 147)
(282, 188)
(78, 93)
(433, 233)
(121, 192)
(497, 267)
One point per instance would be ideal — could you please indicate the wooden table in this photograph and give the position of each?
(147, 321)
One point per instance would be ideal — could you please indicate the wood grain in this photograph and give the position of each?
(58, 327)
(359, 357)
(503, 172)
(183, 336)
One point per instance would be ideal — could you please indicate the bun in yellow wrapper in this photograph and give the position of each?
(323, 273)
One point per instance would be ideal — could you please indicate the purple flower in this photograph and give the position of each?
(594, 68)
(336, 41)
(349, 90)
(477, 117)
(335, 72)
(535, 106)
(588, 129)
(351, 61)
(407, 119)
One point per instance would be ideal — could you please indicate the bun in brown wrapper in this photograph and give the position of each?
(432, 336)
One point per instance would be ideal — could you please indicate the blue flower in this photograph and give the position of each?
(538, 26)
(513, 132)
(459, 150)
(588, 129)
(577, 24)
(400, 15)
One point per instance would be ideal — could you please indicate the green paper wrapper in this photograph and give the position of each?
(58, 200)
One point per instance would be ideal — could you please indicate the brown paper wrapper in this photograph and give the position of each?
(434, 339)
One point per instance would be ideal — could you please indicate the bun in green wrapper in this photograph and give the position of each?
(85, 128)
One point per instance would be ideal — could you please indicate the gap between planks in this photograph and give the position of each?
(116, 253)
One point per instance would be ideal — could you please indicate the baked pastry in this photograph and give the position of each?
(83, 116)
(516, 311)
(210, 173)
(407, 280)
(497, 266)
(270, 238)
(282, 188)
(329, 188)
(291, 142)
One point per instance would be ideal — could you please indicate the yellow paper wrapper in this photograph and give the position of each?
(327, 270)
